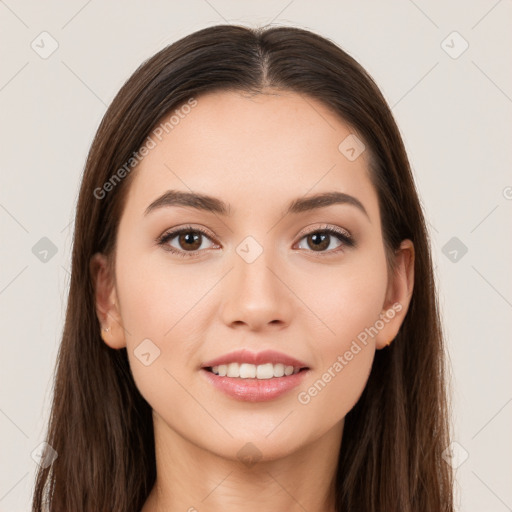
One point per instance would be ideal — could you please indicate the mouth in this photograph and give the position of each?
(251, 371)
(250, 383)
(255, 377)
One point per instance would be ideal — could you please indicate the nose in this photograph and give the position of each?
(256, 295)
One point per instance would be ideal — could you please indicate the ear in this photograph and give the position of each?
(107, 304)
(398, 295)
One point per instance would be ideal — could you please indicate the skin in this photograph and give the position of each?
(258, 153)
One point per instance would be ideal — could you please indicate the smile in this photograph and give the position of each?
(252, 371)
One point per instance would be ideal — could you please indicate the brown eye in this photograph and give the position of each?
(321, 240)
(190, 240)
(318, 241)
(186, 240)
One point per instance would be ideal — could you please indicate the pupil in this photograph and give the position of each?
(319, 240)
(190, 239)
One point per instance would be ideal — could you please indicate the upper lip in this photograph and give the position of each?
(256, 358)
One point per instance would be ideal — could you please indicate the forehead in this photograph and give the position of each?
(264, 148)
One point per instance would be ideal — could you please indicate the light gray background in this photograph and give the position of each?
(455, 115)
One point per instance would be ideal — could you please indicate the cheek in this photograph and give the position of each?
(155, 300)
(345, 299)
(334, 390)
(348, 299)
(159, 311)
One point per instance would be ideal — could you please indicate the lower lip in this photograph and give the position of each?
(255, 390)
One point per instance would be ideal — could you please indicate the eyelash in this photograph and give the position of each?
(339, 233)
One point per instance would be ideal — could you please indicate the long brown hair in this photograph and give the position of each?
(100, 425)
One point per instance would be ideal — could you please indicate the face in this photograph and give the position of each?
(309, 282)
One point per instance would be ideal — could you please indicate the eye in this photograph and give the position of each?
(189, 240)
(320, 239)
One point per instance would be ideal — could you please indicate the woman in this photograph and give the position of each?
(252, 317)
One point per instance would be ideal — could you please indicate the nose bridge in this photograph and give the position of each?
(255, 295)
(253, 270)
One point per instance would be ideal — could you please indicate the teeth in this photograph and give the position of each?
(247, 371)
(265, 371)
(233, 370)
(279, 370)
(251, 371)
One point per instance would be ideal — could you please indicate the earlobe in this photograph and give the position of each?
(398, 296)
(106, 303)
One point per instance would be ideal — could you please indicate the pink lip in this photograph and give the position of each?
(255, 390)
(245, 356)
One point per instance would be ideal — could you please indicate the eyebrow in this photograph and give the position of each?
(217, 206)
